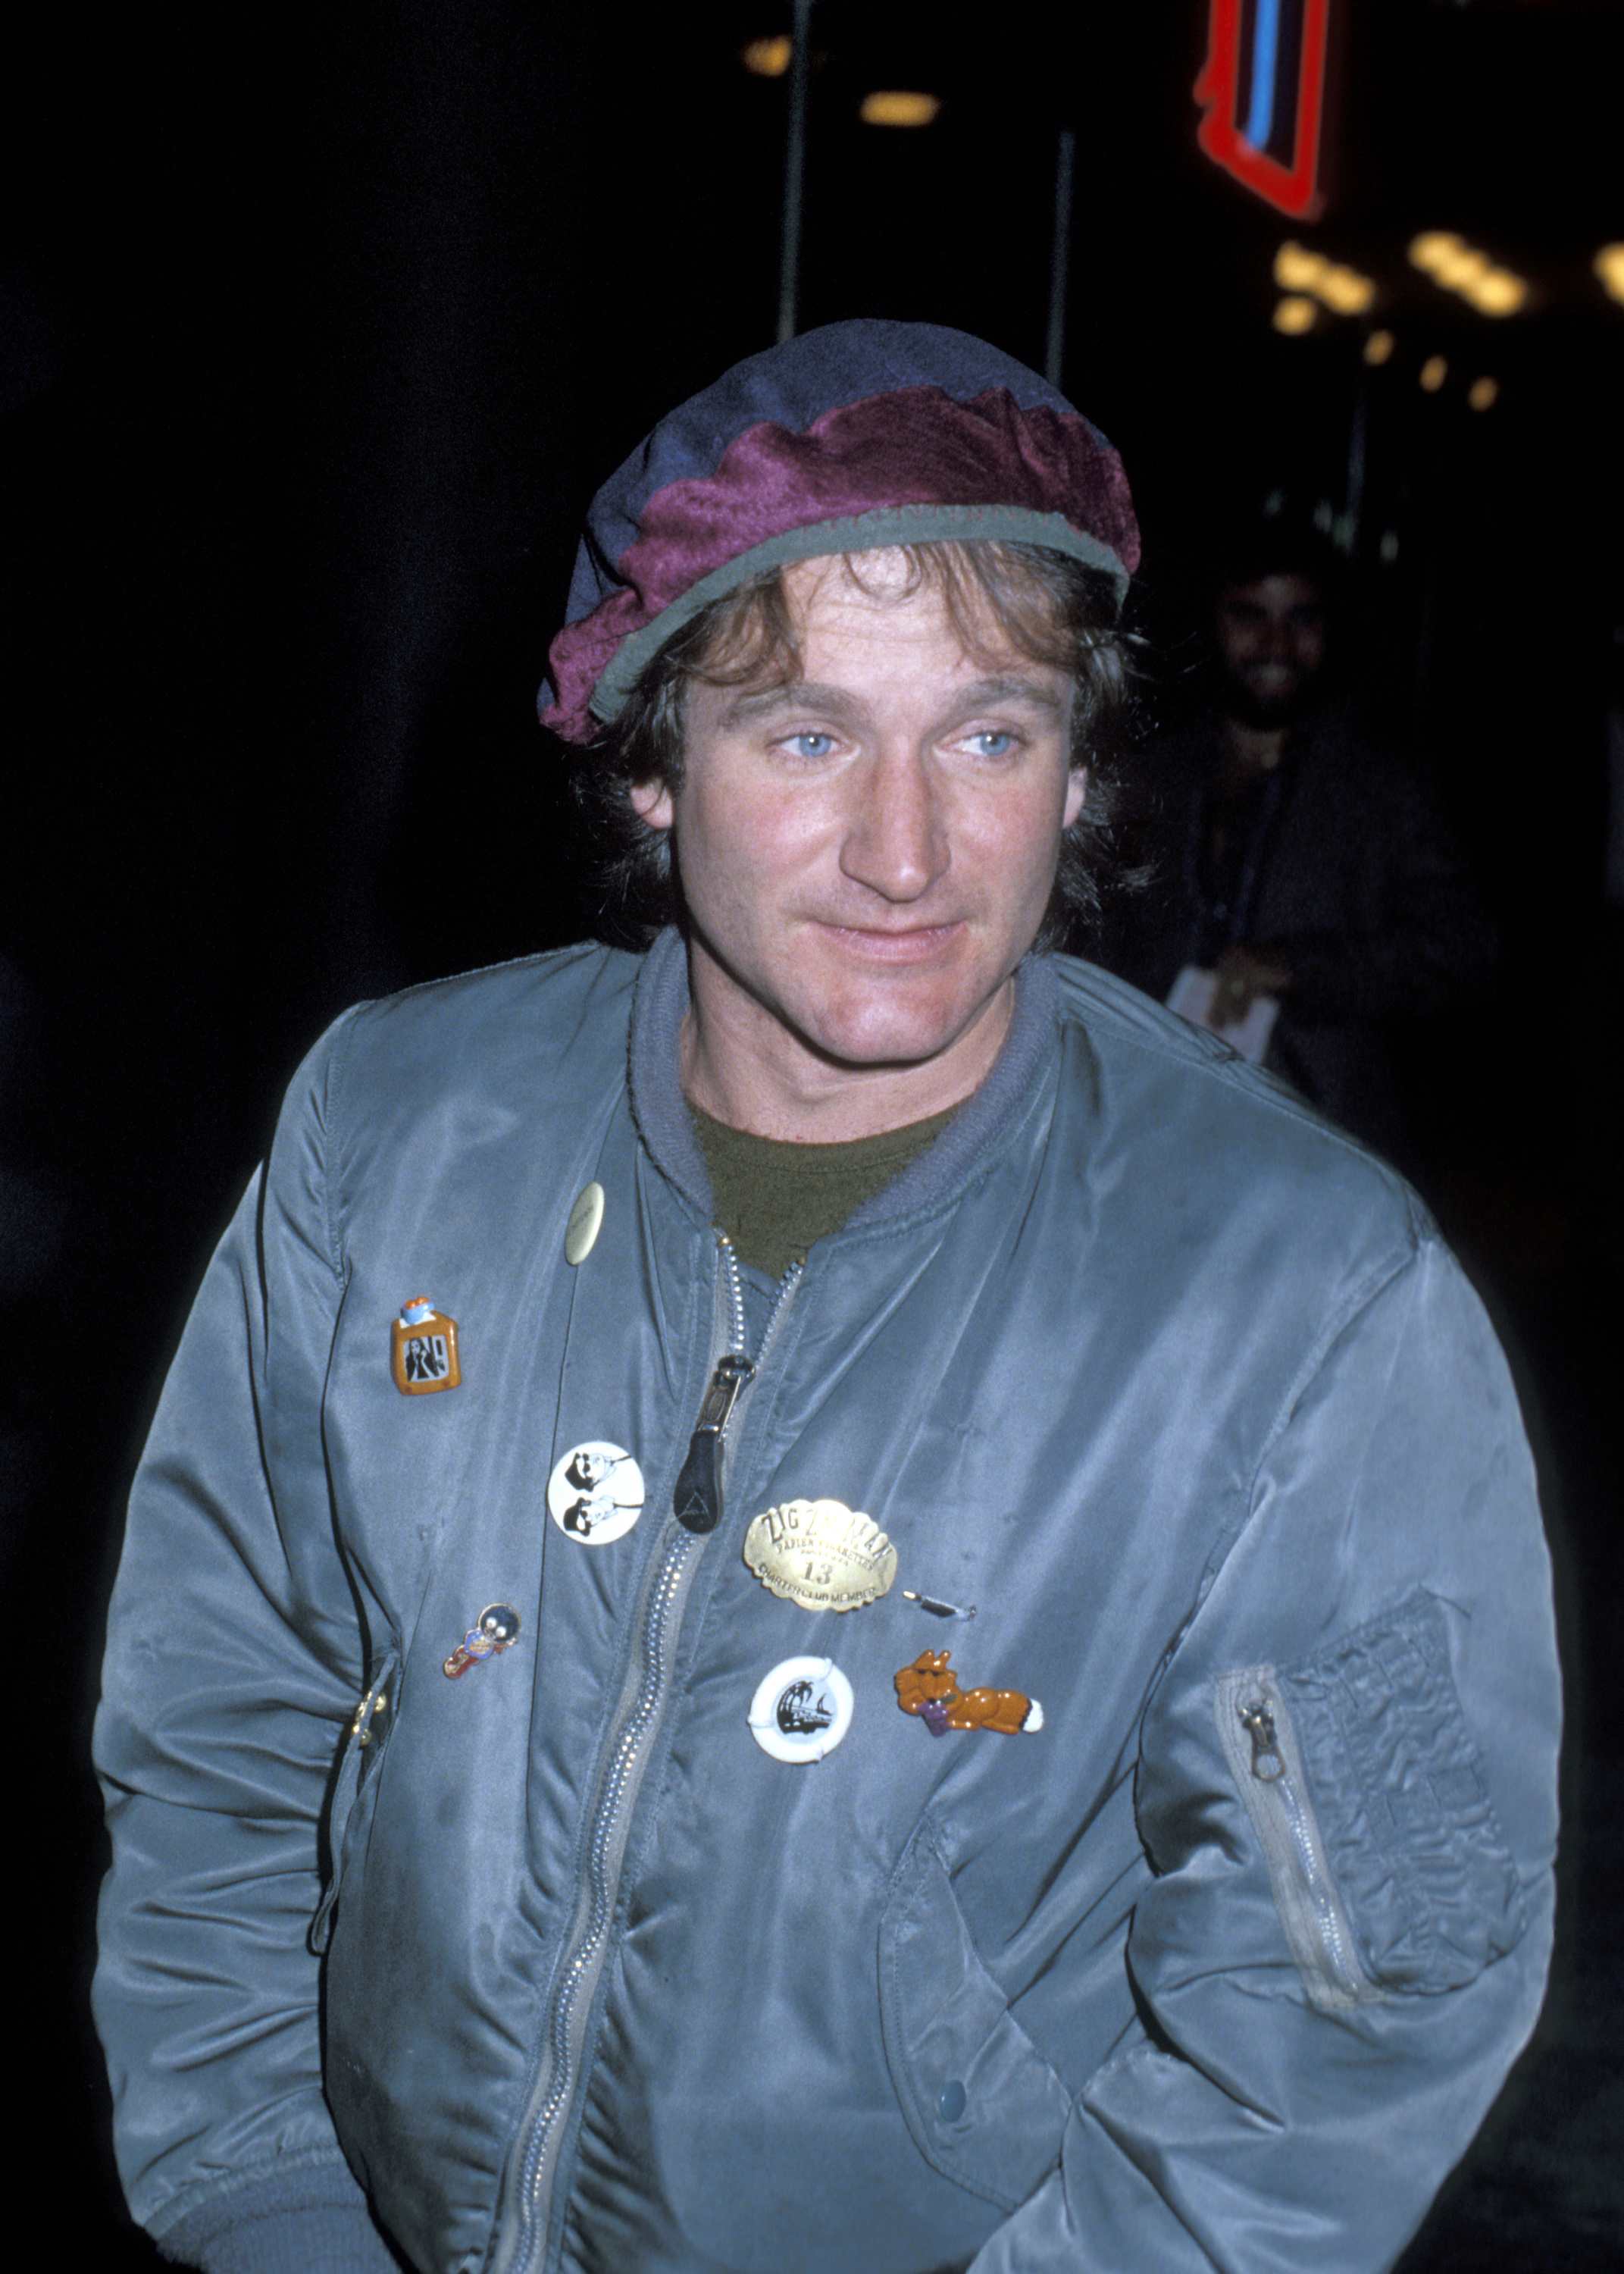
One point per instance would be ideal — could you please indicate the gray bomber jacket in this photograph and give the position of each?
(1221, 1967)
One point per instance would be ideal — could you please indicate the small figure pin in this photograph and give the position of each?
(495, 1629)
(595, 1492)
(938, 1610)
(930, 1689)
(423, 1350)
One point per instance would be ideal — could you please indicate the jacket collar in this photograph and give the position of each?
(945, 1168)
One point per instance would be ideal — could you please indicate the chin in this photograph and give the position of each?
(887, 1034)
(1275, 704)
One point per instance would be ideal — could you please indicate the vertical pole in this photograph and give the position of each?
(1428, 520)
(795, 172)
(1354, 504)
(1060, 258)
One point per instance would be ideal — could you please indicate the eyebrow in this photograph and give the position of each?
(802, 693)
(794, 695)
(1032, 691)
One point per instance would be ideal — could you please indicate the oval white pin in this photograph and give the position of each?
(596, 1491)
(586, 1220)
(801, 1710)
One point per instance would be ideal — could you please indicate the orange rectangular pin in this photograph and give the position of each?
(423, 1350)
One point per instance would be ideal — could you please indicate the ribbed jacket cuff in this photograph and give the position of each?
(307, 2221)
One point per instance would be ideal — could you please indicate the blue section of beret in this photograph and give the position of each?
(790, 386)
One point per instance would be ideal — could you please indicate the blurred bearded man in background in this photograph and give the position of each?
(1308, 898)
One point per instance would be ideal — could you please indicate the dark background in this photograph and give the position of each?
(319, 327)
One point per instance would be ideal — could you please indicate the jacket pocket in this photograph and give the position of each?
(1260, 1743)
(984, 2107)
(1389, 1868)
(356, 1769)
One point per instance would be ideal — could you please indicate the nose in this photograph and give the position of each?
(895, 842)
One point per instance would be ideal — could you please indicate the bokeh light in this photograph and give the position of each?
(768, 58)
(892, 107)
(1295, 315)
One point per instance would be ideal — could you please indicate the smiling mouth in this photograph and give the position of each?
(917, 944)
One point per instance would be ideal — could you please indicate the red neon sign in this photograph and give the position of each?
(1262, 119)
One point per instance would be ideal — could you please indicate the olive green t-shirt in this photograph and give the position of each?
(774, 1199)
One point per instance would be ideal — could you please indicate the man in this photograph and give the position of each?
(1057, 1771)
(1309, 897)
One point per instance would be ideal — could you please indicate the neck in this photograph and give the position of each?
(742, 1067)
(1248, 751)
(658, 1006)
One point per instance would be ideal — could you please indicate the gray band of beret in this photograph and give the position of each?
(862, 533)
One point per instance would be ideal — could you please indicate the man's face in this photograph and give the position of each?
(867, 855)
(1272, 637)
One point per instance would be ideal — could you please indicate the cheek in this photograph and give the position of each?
(734, 832)
(740, 855)
(1015, 845)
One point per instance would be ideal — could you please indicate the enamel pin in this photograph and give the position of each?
(495, 1629)
(586, 1222)
(423, 1350)
(929, 1688)
(595, 1492)
(801, 1710)
(821, 1555)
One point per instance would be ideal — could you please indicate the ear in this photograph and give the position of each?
(652, 802)
(1077, 791)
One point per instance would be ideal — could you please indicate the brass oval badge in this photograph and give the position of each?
(821, 1555)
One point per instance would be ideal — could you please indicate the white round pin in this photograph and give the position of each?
(586, 1222)
(595, 1492)
(801, 1710)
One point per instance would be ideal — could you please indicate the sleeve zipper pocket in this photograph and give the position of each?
(1261, 1746)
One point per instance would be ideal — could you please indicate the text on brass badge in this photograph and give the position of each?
(821, 1555)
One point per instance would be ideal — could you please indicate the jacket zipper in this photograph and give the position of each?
(347, 1788)
(1261, 1747)
(697, 1501)
(518, 2240)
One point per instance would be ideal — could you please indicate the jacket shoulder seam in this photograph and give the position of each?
(333, 1104)
(557, 957)
(1358, 1296)
(1216, 1062)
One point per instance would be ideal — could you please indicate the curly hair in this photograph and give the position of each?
(1045, 606)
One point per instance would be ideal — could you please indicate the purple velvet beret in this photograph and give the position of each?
(857, 435)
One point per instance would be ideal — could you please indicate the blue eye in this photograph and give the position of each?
(992, 742)
(801, 746)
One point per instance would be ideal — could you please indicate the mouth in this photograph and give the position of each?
(916, 944)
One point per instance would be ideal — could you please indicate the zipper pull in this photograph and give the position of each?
(697, 1501)
(1268, 1762)
(361, 1729)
